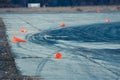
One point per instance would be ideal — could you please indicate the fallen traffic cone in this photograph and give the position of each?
(15, 39)
(58, 55)
(23, 30)
(62, 24)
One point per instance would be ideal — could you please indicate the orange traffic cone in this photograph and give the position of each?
(58, 55)
(23, 30)
(99, 10)
(15, 39)
(107, 20)
(62, 24)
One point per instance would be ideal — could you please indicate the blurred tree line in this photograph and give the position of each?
(55, 3)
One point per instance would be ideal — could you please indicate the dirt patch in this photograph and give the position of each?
(8, 70)
(64, 9)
